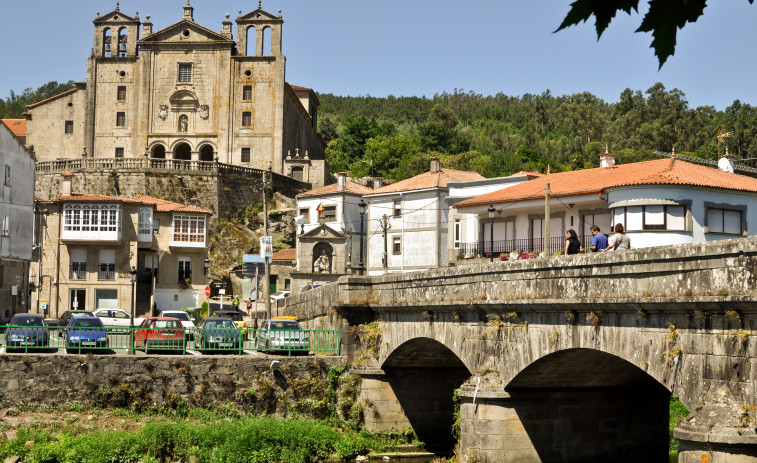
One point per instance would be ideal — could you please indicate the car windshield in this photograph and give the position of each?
(87, 322)
(180, 315)
(80, 314)
(27, 321)
(280, 293)
(220, 325)
(232, 315)
(284, 325)
(162, 324)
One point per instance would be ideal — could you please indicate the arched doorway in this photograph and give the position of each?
(158, 152)
(183, 152)
(206, 153)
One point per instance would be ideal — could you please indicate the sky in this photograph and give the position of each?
(421, 47)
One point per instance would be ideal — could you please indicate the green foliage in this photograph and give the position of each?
(678, 412)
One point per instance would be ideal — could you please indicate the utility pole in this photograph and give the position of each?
(267, 278)
(546, 219)
(385, 225)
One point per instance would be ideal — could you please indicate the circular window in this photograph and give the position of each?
(122, 73)
(248, 73)
(115, 17)
(70, 104)
(185, 33)
(259, 16)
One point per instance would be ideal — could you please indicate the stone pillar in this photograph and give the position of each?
(387, 413)
(721, 429)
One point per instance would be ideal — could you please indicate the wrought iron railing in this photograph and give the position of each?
(496, 248)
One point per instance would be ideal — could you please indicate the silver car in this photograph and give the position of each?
(283, 335)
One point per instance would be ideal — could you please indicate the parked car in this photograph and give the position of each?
(282, 334)
(215, 333)
(86, 333)
(280, 295)
(27, 330)
(64, 319)
(116, 319)
(314, 284)
(235, 316)
(186, 321)
(164, 333)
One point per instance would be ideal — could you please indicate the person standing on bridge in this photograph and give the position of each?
(598, 241)
(619, 240)
(572, 244)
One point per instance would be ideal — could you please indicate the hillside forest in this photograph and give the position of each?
(394, 137)
(499, 135)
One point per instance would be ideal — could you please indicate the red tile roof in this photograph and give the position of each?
(34, 105)
(285, 254)
(657, 172)
(17, 126)
(428, 180)
(525, 172)
(352, 187)
(161, 205)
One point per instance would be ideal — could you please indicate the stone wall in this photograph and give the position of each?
(248, 382)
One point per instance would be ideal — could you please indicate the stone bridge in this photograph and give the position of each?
(570, 358)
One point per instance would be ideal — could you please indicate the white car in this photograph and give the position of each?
(279, 295)
(116, 318)
(186, 322)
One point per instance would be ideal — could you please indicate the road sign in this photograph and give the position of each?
(222, 291)
(252, 264)
(266, 246)
(207, 291)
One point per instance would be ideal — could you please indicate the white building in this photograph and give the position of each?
(661, 202)
(467, 234)
(408, 221)
(16, 223)
(329, 226)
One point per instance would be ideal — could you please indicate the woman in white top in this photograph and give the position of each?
(619, 240)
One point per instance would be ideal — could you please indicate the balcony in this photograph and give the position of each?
(92, 236)
(497, 248)
(107, 272)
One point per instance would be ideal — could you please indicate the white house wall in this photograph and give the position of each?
(698, 198)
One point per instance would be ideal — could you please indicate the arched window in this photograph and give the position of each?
(123, 38)
(206, 153)
(323, 256)
(251, 39)
(107, 38)
(266, 41)
(182, 152)
(158, 152)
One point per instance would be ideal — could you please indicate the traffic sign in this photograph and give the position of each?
(207, 291)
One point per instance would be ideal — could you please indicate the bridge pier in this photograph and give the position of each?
(564, 425)
(721, 429)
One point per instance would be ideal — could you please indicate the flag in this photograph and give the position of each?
(319, 209)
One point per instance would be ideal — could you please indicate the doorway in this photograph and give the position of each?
(78, 299)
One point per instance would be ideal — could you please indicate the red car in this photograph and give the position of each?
(159, 333)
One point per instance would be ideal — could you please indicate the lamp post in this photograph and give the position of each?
(491, 211)
(206, 266)
(361, 205)
(133, 275)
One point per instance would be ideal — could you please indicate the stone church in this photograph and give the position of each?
(184, 97)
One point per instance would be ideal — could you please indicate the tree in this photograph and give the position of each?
(663, 19)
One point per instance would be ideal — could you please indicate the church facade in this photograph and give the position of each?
(187, 94)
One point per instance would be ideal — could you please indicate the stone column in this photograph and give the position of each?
(721, 429)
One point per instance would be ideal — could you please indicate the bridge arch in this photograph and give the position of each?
(423, 374)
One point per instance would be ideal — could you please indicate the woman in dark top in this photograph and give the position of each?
(572, 245)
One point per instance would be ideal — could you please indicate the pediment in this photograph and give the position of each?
(115, 17)
(185, 31)
(324, 232)
(257, 15)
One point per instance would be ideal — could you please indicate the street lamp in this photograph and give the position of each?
(206, 266)
(361, 205)
(133, 275)
(491, 211)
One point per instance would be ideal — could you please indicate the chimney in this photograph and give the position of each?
(65, 186)
(341, 181)
(147, 26)
(188, 12)
(435, 165)
(378, 182)
(606, 159)
(726, 162)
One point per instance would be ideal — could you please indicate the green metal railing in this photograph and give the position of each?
(193, 341)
